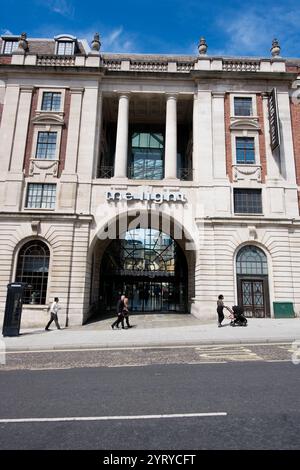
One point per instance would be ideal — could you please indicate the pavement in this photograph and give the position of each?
(156, 330)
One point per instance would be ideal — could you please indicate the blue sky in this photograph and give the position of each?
(166, 26)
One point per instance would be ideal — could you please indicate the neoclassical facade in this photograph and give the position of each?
(171, 178)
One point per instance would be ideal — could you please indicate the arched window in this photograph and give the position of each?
(252, 261)
(32, 268)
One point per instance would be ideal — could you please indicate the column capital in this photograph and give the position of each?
(171, 96)
(76, 90)
(26, 88)
(218, 94)
(122, 94)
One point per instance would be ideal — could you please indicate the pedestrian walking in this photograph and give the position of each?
(120, 313)
(54, 308)
(220, 307)
(126, 312)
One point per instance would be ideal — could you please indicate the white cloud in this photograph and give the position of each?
(118, 41)
(5, 32)
(114, 40)
(61, 7)
(251, 32)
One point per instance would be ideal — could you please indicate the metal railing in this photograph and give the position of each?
(146, 171)
(105, 172)
(185, 174)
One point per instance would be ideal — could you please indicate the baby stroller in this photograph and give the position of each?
(239, 318)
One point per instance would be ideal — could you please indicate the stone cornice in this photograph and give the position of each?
(192, 74)
(42, 216)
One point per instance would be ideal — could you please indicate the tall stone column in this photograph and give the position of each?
(204, 121)
(196, 140)
(286, 147)
(9, 116)
(73, 130)
(19, 144)
(122, 137)
(219, 149)
(171, 138)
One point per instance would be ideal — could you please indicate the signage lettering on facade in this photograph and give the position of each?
(158, 198)
(274, 120)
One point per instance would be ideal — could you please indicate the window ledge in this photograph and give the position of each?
(246, 214)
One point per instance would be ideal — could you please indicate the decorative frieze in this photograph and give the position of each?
(43, 167)
(246, 173)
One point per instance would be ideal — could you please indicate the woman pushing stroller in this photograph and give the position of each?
(220, 307)
(236, 313)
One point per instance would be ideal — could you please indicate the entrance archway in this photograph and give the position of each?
(150, 267)
(252, 281)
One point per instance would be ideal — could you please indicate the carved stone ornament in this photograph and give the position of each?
(247, 172)
(275, 49)
(35, 226)
(252, 232)
(48, 167)
(240, 123)
(96, 44)
(202, 46)
(48, 118)
(22, 45)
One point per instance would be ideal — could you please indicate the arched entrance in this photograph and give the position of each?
(252, 281)
(150, 267)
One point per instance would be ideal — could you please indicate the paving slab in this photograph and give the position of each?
(154, 333)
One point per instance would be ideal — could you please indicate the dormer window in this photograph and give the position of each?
(9, 45)
(65, 45)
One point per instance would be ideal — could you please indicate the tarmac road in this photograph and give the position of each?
(252, 402)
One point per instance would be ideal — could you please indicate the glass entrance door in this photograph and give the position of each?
(155, 296)
(150, 267)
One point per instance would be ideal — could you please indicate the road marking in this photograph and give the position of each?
(131, 348)
(232, 353)
(278, 360)
(108, 418)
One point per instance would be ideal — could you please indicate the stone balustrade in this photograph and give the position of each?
(241, 65)
(55, 60)
(144, 63)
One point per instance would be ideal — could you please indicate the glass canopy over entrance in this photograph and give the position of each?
(150, 267)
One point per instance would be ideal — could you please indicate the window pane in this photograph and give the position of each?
(65, 48)
(51, 101)
(32, 268)
(41, 196)
(10, 46)
(251, 260)
(46, 145)
(247, 201)
(147, 156)
(245, 151)
(243, 106)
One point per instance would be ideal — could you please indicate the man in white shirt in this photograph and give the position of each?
(53, 312)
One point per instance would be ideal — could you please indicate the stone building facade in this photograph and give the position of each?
(153, 174)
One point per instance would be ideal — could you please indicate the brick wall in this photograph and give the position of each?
(64, 134)
(295, 118)
(262, 137)
(63, 142)
(4, 59)
(30, 131)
